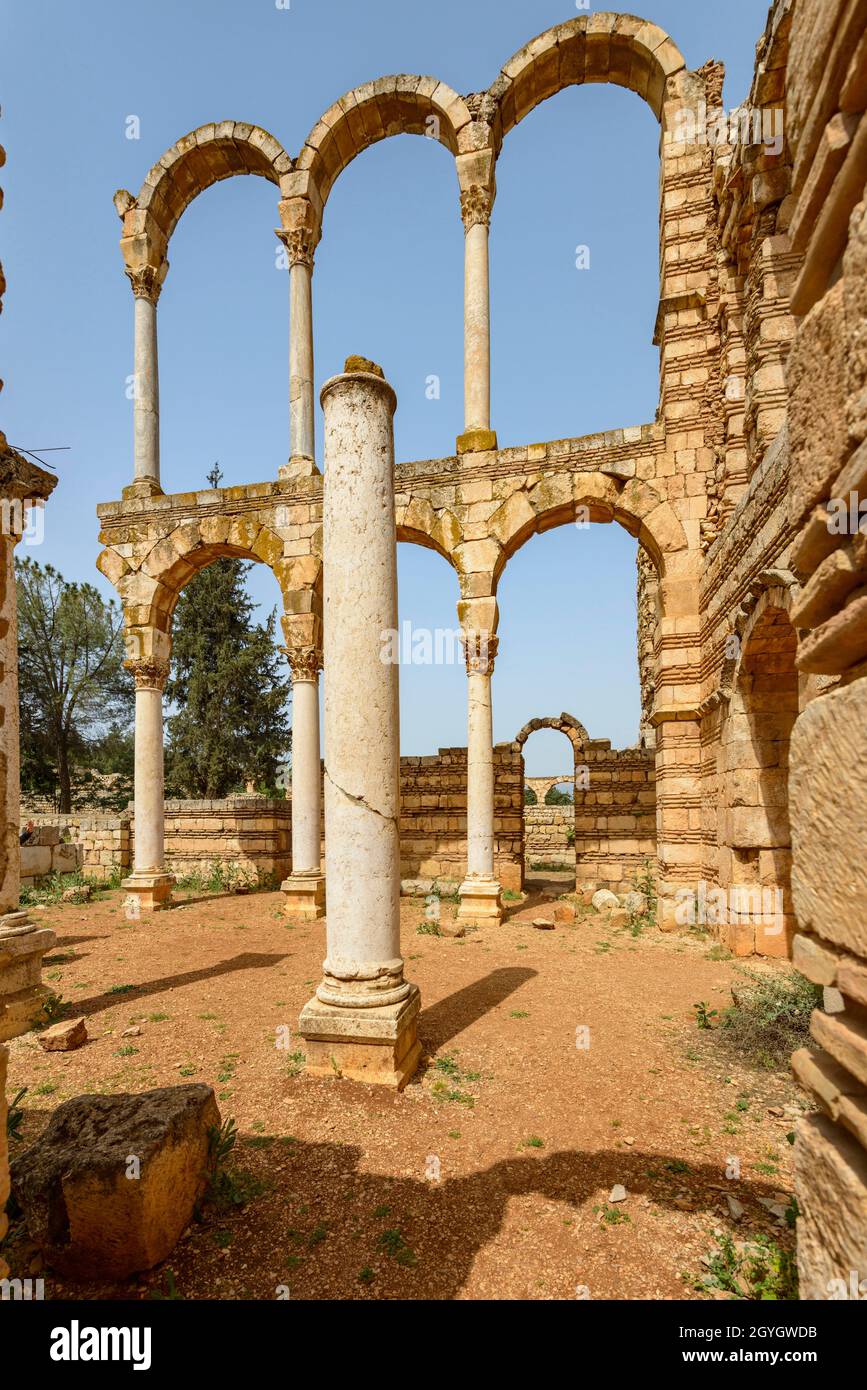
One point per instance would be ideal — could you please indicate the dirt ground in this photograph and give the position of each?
(527, 1130)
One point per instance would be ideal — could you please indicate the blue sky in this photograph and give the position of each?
(571, 349)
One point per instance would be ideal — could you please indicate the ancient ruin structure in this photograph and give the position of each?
(743, 492)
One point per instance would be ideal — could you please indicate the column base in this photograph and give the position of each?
(142, 487)
(298, 466)
(476, 441)
(377, 1045)
(480, 903)
(305, 896)
(147, 892)
(22, 946)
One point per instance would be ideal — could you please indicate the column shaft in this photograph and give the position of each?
(146, 404)
(477, 330)
(301, 425)
(149, 886)
(480, 891)
(362, 1020)
(305, 887)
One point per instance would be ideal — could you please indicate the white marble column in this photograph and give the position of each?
(300, 245)
(476, 204)
(362, 1021)
(22, 945)
(149, 886)
(305, 887)
(146, 287)
(480, 891)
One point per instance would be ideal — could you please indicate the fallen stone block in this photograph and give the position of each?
(604, 899)
(543, 924)
(110, 1186)
(64, 1037)
(564, 912)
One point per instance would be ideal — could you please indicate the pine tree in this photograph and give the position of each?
(230, 723)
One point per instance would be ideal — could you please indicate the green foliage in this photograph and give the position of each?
(15, 1115)
(756, 1269)
(555, 797)
(230, 723)
(704, 1016)
(771, 1018)
(530, 797)
(76, 698)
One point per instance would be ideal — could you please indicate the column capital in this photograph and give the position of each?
(300, 243)
(146, 280)
(480, 651)
(304, 662)
(477, 203)
(148, 674)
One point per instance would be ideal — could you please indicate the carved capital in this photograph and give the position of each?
(146, 282)
(300, 243)
(149, 675)
(476, 205)
(305, 662)
(480, 652)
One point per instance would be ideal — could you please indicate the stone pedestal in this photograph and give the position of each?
(22, 946)
(377, 1045)
(304, 894)
(362, 1021)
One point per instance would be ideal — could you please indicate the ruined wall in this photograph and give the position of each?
(433, 815)
(252, 833)
(826, 89)
(615, 815)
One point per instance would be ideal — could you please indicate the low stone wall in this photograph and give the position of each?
(252, 833)
(549, 835)
(99, 844)
(433, 815)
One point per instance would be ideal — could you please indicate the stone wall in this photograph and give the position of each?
(549, 835)
(615, 815)
(433, 815)
(101, 843)
(826, 98)
(253, 833)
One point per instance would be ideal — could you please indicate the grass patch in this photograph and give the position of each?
(771, 1018)
(758, 1269)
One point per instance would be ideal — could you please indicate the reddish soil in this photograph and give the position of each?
(531, 1132)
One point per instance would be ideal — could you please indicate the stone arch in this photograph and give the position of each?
(150, 588)
(604, 47)
(419, 523)
(215, 151)
(534, 837)
(755, 837)
(397, 105)
(565, 724)
(556, 500)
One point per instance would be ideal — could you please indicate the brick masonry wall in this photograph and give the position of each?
(615, 815)
(547, 838)
(433, 815)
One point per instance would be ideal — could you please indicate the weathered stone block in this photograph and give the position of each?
(82, 1203)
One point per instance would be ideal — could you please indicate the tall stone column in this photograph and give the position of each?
(22, 945)
(146, 286)
(149, 886)
(4, 1155)
(305, 887)
(300, 243)
(476, 204)
(362, 1021)
(480, 891)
